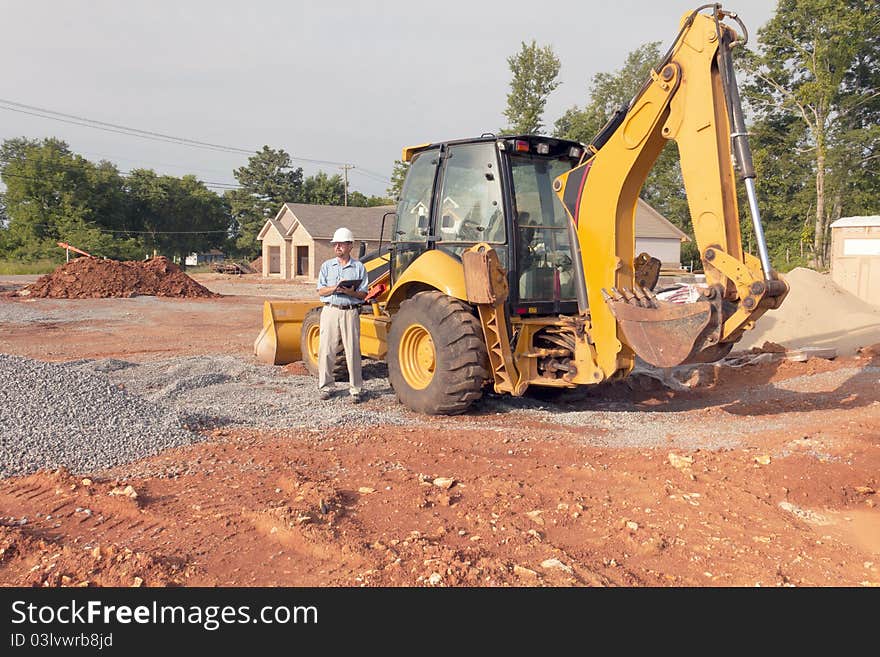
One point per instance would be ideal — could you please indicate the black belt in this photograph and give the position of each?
(346, 307)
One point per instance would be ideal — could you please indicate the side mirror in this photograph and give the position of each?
(362, 249)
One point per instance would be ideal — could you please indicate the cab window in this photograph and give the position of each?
(470, 196)
(413, 212)
(414, 207)
(546, 272)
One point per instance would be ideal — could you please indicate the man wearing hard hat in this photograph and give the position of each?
(342, 286)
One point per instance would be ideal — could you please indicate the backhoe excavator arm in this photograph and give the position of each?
(690, 98)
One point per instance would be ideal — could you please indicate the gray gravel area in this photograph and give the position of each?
(231, 391)
(91, 415)
(52, 415)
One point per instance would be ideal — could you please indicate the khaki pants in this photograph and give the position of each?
(336, 325)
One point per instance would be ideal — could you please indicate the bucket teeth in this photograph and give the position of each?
(641, 299)
(628, 296)
(637, 296)
(647, 299)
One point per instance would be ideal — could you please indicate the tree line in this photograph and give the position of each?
(811, 86)
(53, 194)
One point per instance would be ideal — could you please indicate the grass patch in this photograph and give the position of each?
(12, 267)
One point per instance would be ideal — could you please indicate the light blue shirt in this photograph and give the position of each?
(332, 272)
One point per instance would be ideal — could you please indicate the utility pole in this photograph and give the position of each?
(345, 168)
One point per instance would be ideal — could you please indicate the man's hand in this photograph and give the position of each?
(351, 291)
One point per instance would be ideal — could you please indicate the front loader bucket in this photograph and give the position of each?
(279, 341)
(664, 335)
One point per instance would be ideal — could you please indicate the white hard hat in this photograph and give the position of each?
(342, 235)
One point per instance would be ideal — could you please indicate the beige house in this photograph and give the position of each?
(855, 256)
(658, 237)
(297, 240)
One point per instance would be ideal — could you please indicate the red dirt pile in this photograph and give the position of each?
(91, 278)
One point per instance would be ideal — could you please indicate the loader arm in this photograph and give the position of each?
(691, 98)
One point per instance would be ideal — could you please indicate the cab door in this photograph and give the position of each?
(412, 229)
(470, 200)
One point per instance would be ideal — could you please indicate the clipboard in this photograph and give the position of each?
(350, 284)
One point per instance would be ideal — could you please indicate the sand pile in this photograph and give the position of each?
(91, 278)
(816, 313)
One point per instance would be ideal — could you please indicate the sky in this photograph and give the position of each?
(332, 83)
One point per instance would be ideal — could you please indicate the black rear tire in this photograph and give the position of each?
(309, 340)
(437, 361)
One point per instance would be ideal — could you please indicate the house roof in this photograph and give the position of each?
(272, 223)
(320, 221)
(852, 222)
(650, 223)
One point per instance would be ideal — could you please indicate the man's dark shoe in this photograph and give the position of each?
(358, 398)
(325, 393)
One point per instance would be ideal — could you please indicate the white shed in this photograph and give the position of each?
(855, 256)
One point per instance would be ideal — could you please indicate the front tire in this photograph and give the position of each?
(437, 361)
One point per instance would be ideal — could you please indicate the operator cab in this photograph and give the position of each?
(497, 190)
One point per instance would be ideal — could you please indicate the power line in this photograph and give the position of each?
(122, 174)
(136, 132)
(207, 183)
(113, 127)
(375, 176)
(120, 132)
(138, 232)
(139, 163)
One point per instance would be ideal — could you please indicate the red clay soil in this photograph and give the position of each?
(91, 278)
(489, 500)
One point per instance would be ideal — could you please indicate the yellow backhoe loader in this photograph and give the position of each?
(512, 259)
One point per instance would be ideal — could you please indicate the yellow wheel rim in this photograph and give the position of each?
(417, 356)
(312, 346)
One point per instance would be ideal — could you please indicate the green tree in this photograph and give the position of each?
(177, 216)
(398, 175)
(535, 69)
(359, 200)
(817, 62)
(786, 194)
(53, 194)
(607, 92)
(267, 182)
(664, 187)
(322, 189)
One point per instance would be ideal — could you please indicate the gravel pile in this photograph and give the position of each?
(91, 415)
(53, 415)
(220, 391)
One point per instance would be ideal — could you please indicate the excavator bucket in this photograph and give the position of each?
(663, 335)
(279, 341)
